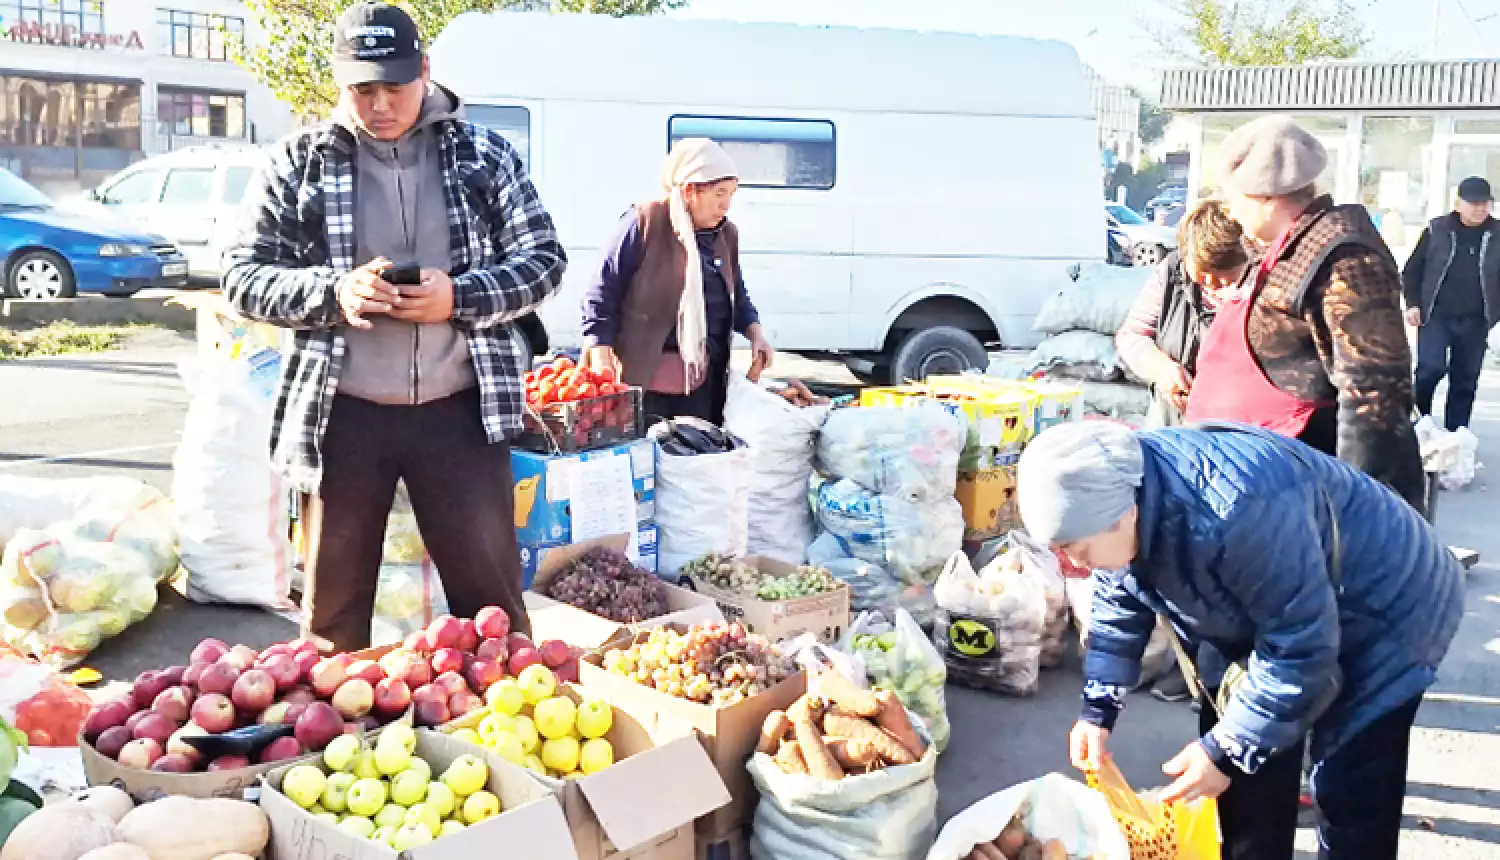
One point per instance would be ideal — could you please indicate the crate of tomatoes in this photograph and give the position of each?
(571, 408)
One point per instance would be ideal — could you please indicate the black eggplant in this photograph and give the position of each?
(248, 741)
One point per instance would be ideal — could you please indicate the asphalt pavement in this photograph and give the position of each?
(121, 413)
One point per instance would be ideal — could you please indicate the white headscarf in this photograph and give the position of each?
(693, 161)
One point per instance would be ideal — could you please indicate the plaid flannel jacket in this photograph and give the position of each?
(297, 238)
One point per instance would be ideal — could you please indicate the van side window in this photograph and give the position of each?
(770, 153)
(190, 186)
(236, 180)
(139, 187)
(513, 122)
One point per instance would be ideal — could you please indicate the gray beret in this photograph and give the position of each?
(1271, 157)
(1077, 480)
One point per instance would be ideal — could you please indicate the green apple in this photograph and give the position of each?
(392, 815)
(391, 758)
(505, 697)
(441, 798)
(466, 775)
(342, 753)
(555, 717)
(537, 683)
(358, 825)
(420, 766)
(479, 806)
(595, 717)
(365, 767)
(534, 764)
(508, 746)
(596, 755)
(451, 827)
(559, 754)
(411, 836)
(493, 724)
(304, 784)
(398, 734)
(530, 737)
(385, 836)
(366, 797)
(426, 815)
(408, 787)
(336, 794)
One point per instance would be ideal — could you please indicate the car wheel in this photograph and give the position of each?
(937, 350)
(528, 358)
(1148, 255)
(39, 275)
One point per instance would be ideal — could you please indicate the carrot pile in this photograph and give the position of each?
(841, 732)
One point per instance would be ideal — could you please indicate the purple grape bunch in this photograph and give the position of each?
(604, 582)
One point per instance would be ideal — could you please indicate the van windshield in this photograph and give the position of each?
(15, 191)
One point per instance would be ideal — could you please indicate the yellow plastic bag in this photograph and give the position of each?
(1158, 831)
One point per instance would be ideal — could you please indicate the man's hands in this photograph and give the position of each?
(1414, 316)
(363, 291)
(761, 352)
(1177, 385)
(431, 301)
(1197, 777)
(1088, 746)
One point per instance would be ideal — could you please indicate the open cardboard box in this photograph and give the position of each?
(824, 615)
(531, 825)
(144, 786)
(644, 805)
(729, 734)
(552, 619)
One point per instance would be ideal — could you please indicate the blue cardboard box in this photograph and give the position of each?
(542, 486)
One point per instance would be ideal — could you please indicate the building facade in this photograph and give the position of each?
(89, 86)
(1118, 111)
(1401, 136)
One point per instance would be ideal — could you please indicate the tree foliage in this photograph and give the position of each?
(292, 59)
(1152, 125)
(1261, 32)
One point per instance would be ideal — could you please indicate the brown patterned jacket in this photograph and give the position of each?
(1327, 326)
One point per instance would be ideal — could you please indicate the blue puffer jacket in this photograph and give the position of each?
(1235, 549)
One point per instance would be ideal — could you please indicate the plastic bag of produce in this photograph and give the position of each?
(989, 628)
(899, 657)
(1098, 300)
(782, 440)
(409, 591)
(908, 452)
(888, 814)
(1083, 355)
(909, 539)
(1021, 555)
(231, 505)
(36, 503)
(702, 504)
(1052, 807)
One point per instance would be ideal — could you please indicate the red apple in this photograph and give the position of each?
(111, 741)
(516, 641)
(396, 661)
(254, 691)
(148, 685)
(368, 723)
(242, 657)
(468, 636)
(450, 683)
(135, 719)
(173, 763)
(429, 693)
(554, 652)
(155, 726)
(214, 712)
(279, 649)
(174, 674)
(344, 659)
(416, 642)
(482, 673)
(354, 699)
(300, 695)
(567, 673)
(283, 671)
(318, 725)
(432, 713)
(444, 632)
(175, 703)
(521, 658)
(464, 703)
(218, 678)
(305, 661)
(294, 711)
(447, 660)
(194, 673)
(228, 762)
(366, 670)
(327, 676)
(392, 697)
(107, 716)
(303, 646)
(492, 622)
(177, 746)
(281, 749)
(209, 651)
(140, 753)
(493, 649)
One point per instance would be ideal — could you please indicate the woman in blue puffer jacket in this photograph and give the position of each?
(1335, 595)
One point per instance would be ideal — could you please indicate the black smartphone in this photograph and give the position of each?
(404, 275)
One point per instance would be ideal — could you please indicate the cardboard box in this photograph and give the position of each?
(826, 615)
(729, 734)
(148, 785)
(532, 824)
(988, 499)
(534, 557)
(542, 488)
(643, 807)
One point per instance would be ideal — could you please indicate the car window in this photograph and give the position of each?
(188, 186)
(236, 180)
(138, 187)
(1126, 215)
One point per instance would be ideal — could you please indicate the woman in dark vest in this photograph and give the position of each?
(1160, 338)
(670, 295)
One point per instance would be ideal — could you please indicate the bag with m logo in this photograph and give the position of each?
(989, 626)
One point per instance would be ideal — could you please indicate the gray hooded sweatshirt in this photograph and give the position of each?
(400, 213)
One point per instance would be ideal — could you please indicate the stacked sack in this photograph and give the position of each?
(1080, 320)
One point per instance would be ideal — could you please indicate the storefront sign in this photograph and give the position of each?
(68, 36)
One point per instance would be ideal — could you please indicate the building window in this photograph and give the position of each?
(1393, 182)
(1476, 126)
(1329, 130)
(199, 114)
(41, 112)
(770, 153)
(86, 17)
(513, 122)
(197, 35)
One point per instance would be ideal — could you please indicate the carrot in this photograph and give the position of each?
(892, 717)
(820, 762)
(772, 731)
(808, 706)
(851, 755)
(856, 728)
(862, 703)
(789, 758)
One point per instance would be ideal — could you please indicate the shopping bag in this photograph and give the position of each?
(1051, 807)
(1158, 831)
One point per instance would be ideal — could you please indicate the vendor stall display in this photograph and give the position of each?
(772, 598)
(571, 408)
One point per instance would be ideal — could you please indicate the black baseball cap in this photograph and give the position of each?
(376, 43)
(1475, 189)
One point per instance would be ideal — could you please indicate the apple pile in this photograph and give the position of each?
(528, 724)
(388, 794)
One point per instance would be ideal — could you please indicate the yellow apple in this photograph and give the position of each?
(534, 764)
(392, 815)
(441, 798)
(508, 746)
(479, 806)
(468, 736)
(597, 754)
(530, 738)
(451, 827)
(555, 717)
(595, 717)
(493, 724)
(505, 697)
(537, 683)
(427, 816)
(561, 754)
(466, 775)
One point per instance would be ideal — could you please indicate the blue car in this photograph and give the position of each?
(46, 253)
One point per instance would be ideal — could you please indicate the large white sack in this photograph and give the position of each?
(1082, 355)
(231, 505)
(702, 505)
(1098, 300)
(783, 439)
(1052, 807)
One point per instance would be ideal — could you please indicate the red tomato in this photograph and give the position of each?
(588, 389)
(561, 363)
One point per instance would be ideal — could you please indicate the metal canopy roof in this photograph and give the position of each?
(1452, 85)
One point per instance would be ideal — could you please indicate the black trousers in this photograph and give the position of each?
(1358, 790)
(461, 495)
(1452, 347)
(706, 401)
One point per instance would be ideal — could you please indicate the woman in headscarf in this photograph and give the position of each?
(1335, 596)
(670, 294)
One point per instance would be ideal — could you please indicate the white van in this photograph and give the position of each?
(908, 199)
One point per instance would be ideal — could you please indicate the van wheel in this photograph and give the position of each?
(524, 342)
(937, 350)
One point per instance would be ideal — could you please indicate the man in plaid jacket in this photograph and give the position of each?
(416, 378)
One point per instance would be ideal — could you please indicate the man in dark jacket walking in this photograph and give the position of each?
(1452, 286)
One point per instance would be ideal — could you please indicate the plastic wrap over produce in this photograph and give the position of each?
(1020, 555)
(870, 587)
(989, 628)
(908, 452)
(899, 657)
(909, 539)
(409, 592)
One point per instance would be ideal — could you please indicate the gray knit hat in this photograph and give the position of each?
(1271, 157)
(1077, 480)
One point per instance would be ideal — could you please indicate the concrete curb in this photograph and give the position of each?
(99, 310)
